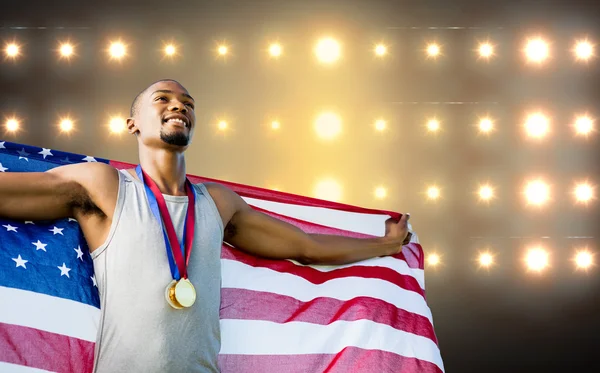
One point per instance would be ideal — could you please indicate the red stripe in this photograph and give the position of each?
(317, 277)
(349, 360)
(35, 348)
(271, 195)
(243, 304)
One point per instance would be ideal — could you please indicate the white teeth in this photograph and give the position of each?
(177, 120)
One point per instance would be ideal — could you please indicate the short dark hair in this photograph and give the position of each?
(136, 101)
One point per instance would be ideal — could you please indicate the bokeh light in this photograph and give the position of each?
(222, 50)
(12, 50)
(433, 193)
(170, 50)
(486, 259)
(486, 193)
(66, 124)
(12, 124)
(584, 125)
(583, 192)
(328, 50)
(328, 189)
(584, 259)
(117, 125)
(433, 50)
(222, 125)
(486, 50)
(328, 125)
(275, 50)
(584, 50)
(275, 125)
(66, 50)
(537, 125)
(537, 259)
(433, 125)
(117, 50)
(486, 125)
(380, 125)
(537, 50)
(537, 193)
(380, 192)
(380, 50)
(434, 259)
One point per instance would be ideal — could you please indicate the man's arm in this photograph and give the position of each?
(54, 194)
(262, 235)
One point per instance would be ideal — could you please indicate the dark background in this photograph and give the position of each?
(499, 320)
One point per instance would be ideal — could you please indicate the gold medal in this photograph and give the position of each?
(180, 294)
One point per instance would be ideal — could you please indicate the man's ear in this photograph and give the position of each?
(132, 127)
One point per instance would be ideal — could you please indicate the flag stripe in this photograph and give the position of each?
(255, 337)
(315, 276)
(14, 368)
(48, 313)
(239, 275)
(43, 350)
(349, 360)
(242, 304)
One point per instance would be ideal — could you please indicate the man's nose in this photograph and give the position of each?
(178, 106)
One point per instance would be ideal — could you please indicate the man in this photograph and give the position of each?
(155, 239)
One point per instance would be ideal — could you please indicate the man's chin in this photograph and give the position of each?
(175, 139)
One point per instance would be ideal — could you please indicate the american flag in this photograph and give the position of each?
(276, 315)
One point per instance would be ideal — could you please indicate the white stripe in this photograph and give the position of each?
(12, 368)
(48, 313)
(394, 264)
(252, 337)
(242, 276)
(351, 221)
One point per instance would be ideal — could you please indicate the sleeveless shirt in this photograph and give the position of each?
(139, 331)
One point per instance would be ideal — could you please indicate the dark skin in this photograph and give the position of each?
(88, 192)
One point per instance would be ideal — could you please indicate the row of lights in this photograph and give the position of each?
(329, 125)
(329, 50)
(537, 259)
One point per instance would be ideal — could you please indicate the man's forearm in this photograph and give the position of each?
(343, 250)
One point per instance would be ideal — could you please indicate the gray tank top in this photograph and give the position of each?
(139, 331)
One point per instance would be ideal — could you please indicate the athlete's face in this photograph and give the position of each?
(166, 114)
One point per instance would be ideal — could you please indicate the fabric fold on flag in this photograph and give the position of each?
(276, 315)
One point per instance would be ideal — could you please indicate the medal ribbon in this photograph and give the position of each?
(178, 254)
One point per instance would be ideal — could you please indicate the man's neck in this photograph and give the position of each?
(166, 168)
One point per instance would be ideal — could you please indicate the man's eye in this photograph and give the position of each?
(161, 98)
(190, 105)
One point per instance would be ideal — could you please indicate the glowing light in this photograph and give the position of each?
(12, 50)
(12, 124)
(328, 189)
(328, 125)
(66, 125)
(433, 193)
(486, 260)
(222, 50)
(380, 192)
(66, 50)
(170, 50)
(380, 50)
(486, 125)
(537, 50)
(433, 259)
(222, 125)
(584, 125)
(117, 125)
(328, 50)
(584, 259)
(537, 125)
(275, 125)
(275, 50)
(584, 50)
(433, 125)
(584, 193)
(537, 193)
(117, 50)
(486, 193)
(486, 50)
(380, 125)
(537, 259)
(433, 50)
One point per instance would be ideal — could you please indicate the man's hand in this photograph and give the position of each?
(398, 229)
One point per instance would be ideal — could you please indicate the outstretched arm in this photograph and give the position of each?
(261, 235)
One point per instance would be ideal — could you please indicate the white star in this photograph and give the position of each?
(56, 231)
(71, 219)
(79, 253)
(94, 280)
(64, 271)
(39, 245)
(2, 145)
(45, 152)
(2, 169)
(10, 228)
(23, 154)
(89, 159)
(20, 262)
(29, 222)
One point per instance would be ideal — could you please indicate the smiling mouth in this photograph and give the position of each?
(177, 122)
